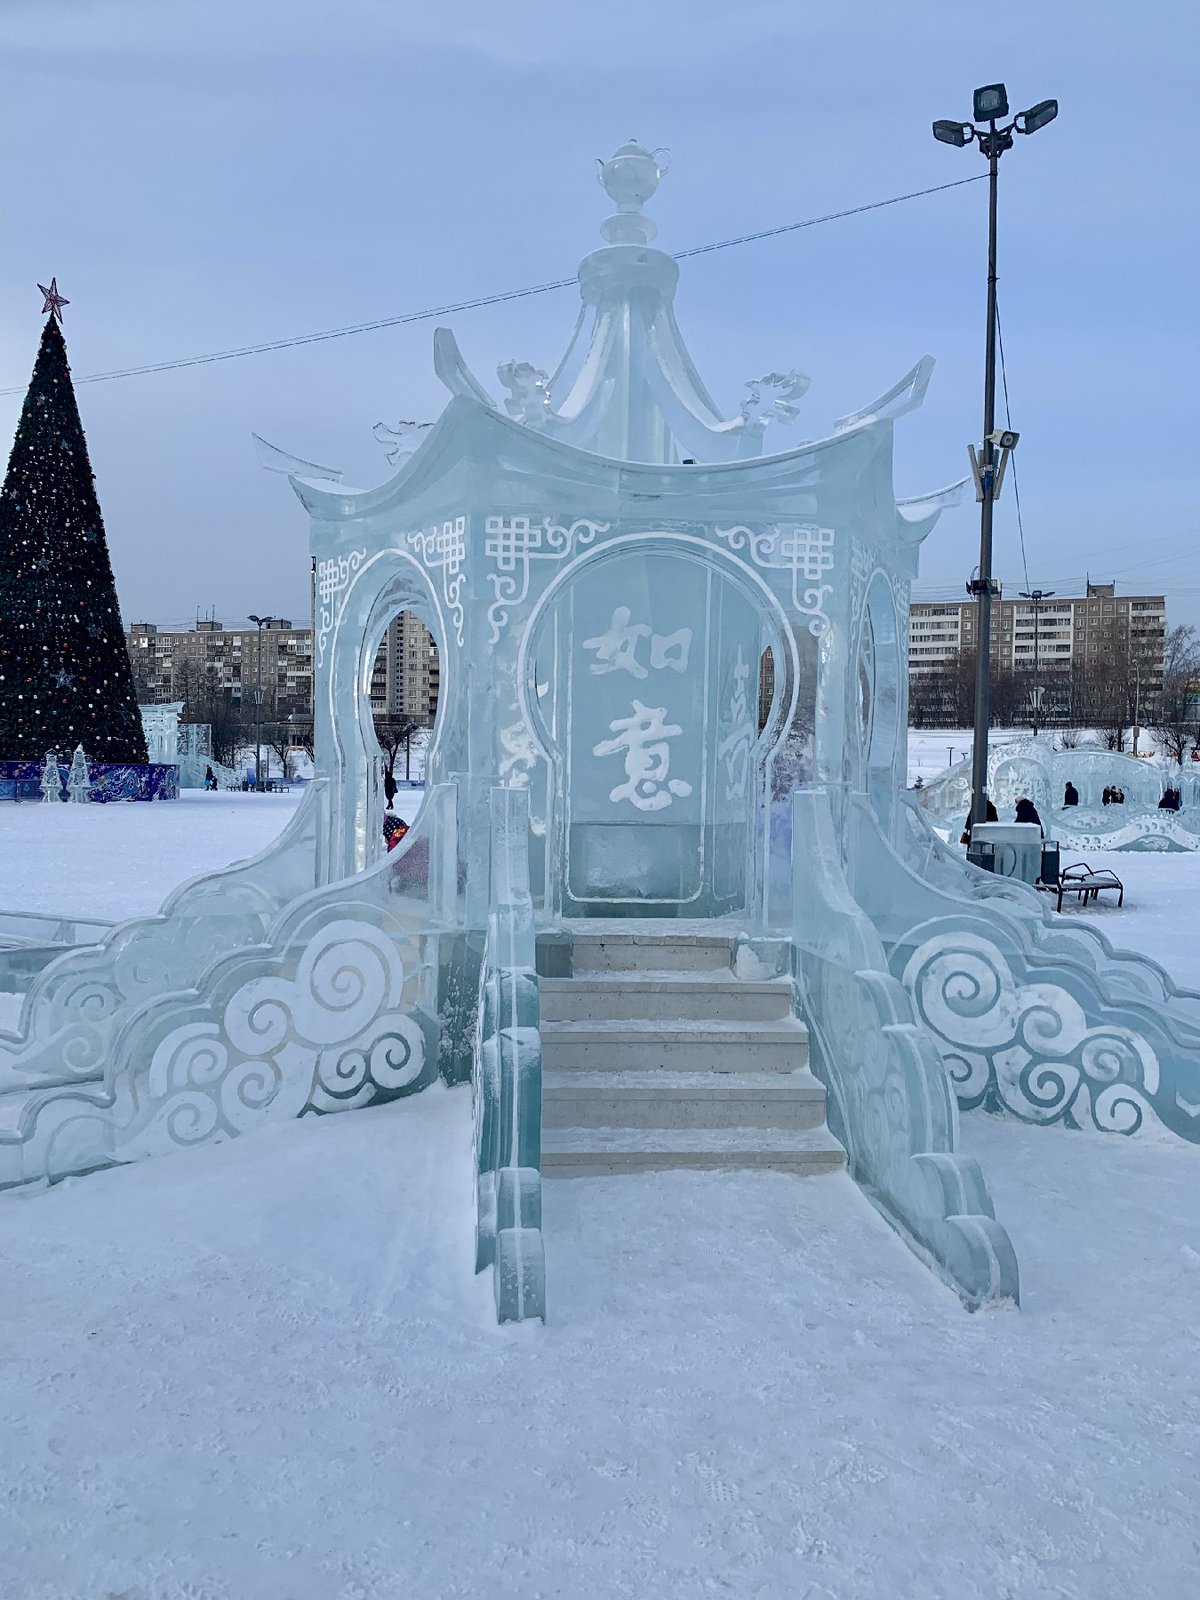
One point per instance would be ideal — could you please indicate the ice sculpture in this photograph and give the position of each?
(79, 782)
(51, 784)
(651, 634)
(1034, 767)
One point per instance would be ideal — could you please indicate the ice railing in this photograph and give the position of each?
(73, 1006)
(890, 1101)
(1035, 1014)
(336, 1006)
(507, 1078)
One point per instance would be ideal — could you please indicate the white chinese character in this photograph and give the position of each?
(643, 736)
(663, 644)
(617, 648)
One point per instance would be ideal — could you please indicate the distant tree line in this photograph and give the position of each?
(1125, 683)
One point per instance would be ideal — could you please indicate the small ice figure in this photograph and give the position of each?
(643, 736)
(51, 784)
(528, 392)
(79, 782)
(772, 398)
(402, 440)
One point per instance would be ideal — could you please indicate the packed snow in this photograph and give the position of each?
(122, 860)
(265, 1371)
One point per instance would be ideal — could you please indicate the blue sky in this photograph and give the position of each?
(202, 174)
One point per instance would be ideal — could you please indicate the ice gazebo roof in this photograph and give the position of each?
(506, 509)
(627, 387)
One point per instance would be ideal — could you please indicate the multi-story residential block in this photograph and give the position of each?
(406, 674)
(177, 664)
(1055, 633)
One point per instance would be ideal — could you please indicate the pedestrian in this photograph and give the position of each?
(1070, 795)
(389, 787)
(210, 778)
(1027, 812)
(394, 829)
(992, 816)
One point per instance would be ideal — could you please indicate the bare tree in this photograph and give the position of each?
(1178, 707)
(278, 738)
(204, 700)
(395, 734)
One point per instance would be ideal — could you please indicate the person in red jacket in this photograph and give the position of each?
(394, 829)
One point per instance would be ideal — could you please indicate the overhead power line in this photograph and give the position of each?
(478, 301)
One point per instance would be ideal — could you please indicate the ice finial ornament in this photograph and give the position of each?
(629, 178)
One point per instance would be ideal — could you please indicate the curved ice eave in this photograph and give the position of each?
(901, 398)
(427, 464)
(917, 515)
(468, 429)
(452, 369)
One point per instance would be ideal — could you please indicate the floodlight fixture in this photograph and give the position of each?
(956, 133)
(1037, 116)
(991, 103)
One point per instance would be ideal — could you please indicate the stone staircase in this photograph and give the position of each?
(655, 1055)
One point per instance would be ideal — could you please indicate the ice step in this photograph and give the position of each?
(585, 1152)
(678, 1100)
(650, 1046)
(665, 997)
(649, 952)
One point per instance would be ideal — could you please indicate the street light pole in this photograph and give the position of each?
(260, 623)
(990, 107)
(1037, 596)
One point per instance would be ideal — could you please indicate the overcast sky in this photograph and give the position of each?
(205, 174)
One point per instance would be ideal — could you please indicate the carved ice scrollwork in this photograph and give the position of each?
(511, 543)
(444, 549)
(1028, 1048)
(333, 578)
(334, 1034)
(799, 548)
(735, 749)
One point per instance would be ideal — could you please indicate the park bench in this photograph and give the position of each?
(1077, 880)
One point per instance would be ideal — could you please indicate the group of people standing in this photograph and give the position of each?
(1026, 812)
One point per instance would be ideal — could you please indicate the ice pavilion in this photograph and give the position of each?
(665, 903)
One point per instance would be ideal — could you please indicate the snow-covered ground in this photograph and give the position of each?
(119, 861)
(265, 1371)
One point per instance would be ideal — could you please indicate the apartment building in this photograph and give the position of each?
(172, 664)
(406, 675)
(169, 664)
(1059, 632)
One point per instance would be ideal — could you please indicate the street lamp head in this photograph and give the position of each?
(991, 103)
(1037, 116)
(257, 621)
(956, 133)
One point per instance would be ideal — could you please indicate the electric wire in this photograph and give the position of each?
(499, 298)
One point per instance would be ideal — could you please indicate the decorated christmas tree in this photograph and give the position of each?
(65, 677)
